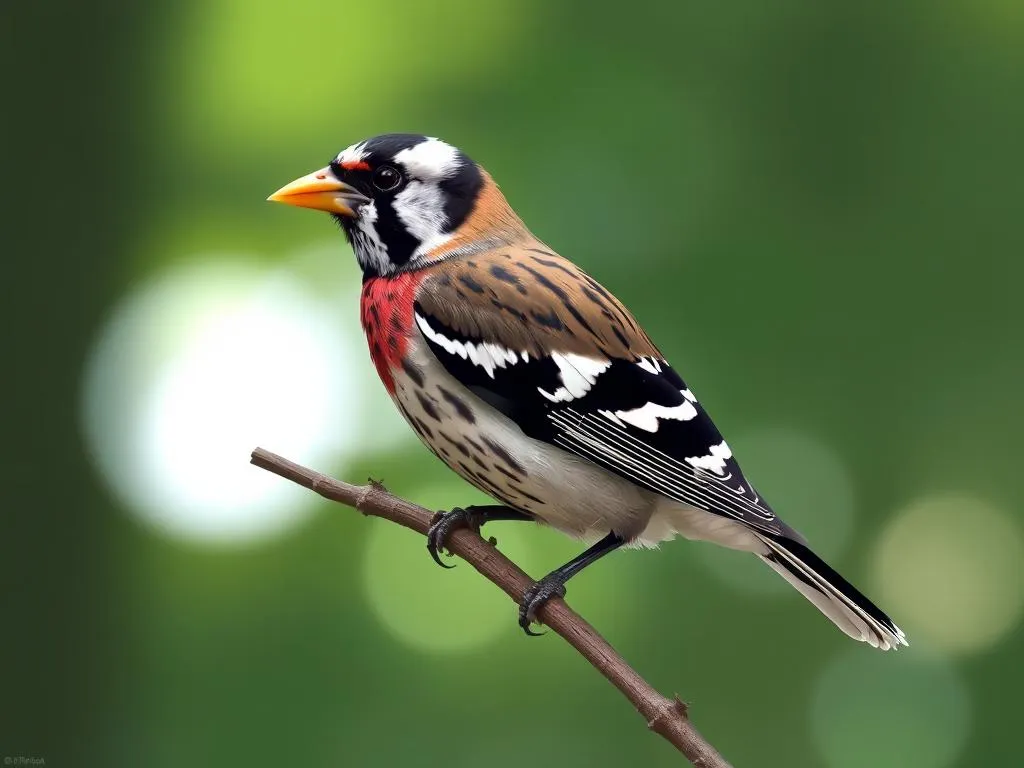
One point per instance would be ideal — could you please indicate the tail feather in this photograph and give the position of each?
(833, 595)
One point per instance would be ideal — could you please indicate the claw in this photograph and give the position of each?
(526, 628)
(534, 598)
(434, 550)
(441, 528)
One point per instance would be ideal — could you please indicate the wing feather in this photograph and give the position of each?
(545, 344)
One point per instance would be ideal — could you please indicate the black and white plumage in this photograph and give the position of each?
(636, 418)
(534, 383)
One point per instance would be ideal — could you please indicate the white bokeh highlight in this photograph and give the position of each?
(949, 568)
(200, 365)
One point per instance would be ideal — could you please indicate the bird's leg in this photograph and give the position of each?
(553, 585)
(465, 517)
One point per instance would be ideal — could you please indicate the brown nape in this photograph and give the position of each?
(491, 219)
(528, 299)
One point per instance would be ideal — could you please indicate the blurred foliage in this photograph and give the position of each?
(813, 207)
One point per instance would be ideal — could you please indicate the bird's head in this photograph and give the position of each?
(400, 198)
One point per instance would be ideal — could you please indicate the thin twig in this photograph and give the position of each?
(666, 717)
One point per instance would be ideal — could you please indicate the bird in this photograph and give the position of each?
(528, 378)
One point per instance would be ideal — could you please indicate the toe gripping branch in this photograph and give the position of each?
(472, 517)
(553, 585)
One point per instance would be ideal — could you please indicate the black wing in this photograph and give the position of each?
(636, 418)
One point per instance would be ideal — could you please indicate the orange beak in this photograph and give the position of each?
(321, 191)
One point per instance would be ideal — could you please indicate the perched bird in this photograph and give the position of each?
(531, 380)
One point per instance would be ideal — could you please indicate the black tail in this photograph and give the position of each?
(831, 593)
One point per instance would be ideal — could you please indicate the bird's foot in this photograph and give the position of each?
(552, 585)
(444, 523)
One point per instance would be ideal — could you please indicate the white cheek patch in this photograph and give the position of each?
(430, 160)
(649, 416)
(420, 208)
(369, 248)
(578, 374)
(714, 461)
(484, 354)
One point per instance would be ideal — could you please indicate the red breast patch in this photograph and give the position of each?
(386, 309)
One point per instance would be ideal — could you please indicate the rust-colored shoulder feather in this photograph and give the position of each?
(527, 298)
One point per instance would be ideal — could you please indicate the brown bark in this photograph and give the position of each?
(667, 717)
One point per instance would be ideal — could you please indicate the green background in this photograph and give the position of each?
(813, 207)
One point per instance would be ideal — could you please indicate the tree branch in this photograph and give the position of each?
(666, 717)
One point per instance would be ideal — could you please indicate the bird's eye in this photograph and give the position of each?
(387, 178)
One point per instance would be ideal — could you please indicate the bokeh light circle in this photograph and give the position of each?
(949, 567)
(427, 607)
(890, 711)
(196, 368)
(808, 486)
